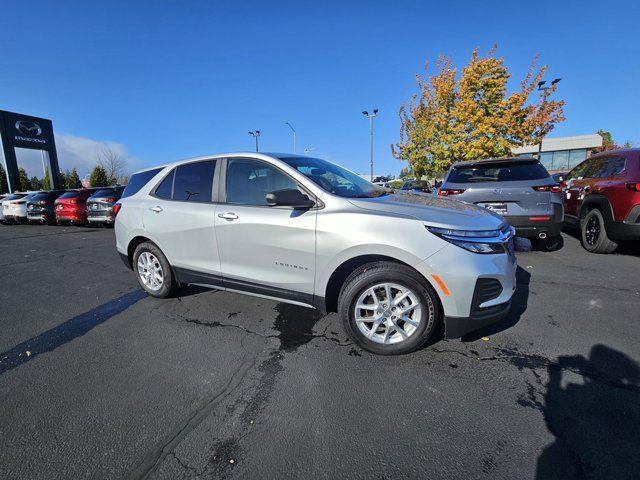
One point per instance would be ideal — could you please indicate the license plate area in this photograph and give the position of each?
(496, 207)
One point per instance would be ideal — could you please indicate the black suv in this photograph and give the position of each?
(40, 207)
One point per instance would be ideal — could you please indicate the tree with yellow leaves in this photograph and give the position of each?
(473, 116)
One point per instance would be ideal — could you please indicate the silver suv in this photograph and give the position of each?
(308, 232)
(520, 189)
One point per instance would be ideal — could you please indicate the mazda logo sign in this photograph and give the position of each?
(28, 128)
(497, 191)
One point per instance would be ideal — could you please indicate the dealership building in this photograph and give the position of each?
(563, 153)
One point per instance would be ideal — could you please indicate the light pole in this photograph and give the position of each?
(294, 135)
(371, 116)
(542, 88)
(256, 135)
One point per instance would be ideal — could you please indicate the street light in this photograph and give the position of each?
(294, 135)
(371, 116)
(543, 88)
(256, 135)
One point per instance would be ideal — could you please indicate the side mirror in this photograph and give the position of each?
(290, 197)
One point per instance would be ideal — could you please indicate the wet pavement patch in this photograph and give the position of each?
(67, 331)
(295, 325)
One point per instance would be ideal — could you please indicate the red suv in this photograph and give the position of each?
(602, 198)
(71, 207)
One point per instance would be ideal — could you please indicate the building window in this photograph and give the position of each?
(546, 159)
(576, 156)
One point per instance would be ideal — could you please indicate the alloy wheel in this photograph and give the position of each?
(150, 271)
(389, 313)
(592, 230)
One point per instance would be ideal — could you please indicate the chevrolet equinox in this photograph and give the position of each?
(306, 231)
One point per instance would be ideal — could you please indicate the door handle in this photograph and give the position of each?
(156, 209)
(228, 216)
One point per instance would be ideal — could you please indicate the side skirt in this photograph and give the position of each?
(186, 276)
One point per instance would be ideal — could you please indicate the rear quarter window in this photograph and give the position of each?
(139, 180)
(498, 172)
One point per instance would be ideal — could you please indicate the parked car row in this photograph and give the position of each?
(600, 197)
(78, 207)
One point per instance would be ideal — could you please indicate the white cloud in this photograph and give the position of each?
(82, 152)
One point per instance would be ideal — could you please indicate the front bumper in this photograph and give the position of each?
(456, 327)
(460, 270)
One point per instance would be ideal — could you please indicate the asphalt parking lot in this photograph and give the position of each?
(99, 381)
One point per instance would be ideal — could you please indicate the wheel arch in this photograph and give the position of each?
(342, 272)
(600, 202)
(133, 244)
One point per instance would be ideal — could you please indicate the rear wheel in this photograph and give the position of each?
(388, 308)
(153, 270)
(594, 234)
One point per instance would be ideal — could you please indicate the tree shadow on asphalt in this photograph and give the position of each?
(519, 303)
(595, 421)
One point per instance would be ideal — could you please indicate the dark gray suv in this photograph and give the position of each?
(519, 189)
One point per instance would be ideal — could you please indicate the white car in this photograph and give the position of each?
(14, 207)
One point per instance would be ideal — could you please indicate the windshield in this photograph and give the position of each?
(498, 172)
(334, 179)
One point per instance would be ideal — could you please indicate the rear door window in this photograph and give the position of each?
(498, 172)
(194, 181)
(139, 180)
(596, 168)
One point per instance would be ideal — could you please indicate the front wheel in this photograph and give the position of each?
(388, 308)
(594, 233)
(153, 270)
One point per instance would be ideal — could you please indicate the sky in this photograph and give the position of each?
(165, 80)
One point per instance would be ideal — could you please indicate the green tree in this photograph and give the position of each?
(63, 179)
(46, 181)
(24, 180)
(4, 184)
(73, 179)
(98, 177)
(608, 143)
(470, 115)
(36, 183)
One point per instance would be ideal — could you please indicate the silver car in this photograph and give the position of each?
(309, 232)
(519, 189)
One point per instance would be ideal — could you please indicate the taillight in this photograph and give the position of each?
(445, 192)
(548, 188)
(633, 186)
(116, 208)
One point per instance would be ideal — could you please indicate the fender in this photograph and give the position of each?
(596, 200)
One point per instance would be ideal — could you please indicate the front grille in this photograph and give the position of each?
(486, 289)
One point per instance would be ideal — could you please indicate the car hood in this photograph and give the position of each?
(435, 211)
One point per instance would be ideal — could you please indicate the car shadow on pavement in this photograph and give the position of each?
(519, 303)
(631, 248)
(592, 407)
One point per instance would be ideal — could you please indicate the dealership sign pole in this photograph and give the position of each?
(24, 131)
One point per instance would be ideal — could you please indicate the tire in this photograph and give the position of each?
(594, 234)
(147, 260)
(383, 336)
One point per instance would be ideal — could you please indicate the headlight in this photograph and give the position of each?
(476, 241)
